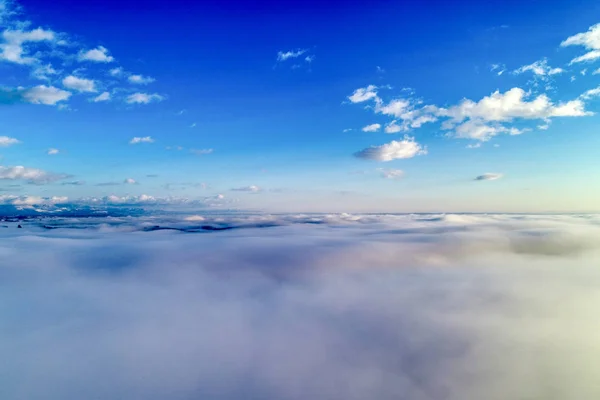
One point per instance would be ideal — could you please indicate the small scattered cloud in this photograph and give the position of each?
(130, 181)
(363, 94)
(104, 96)
(499, 69)
(379, 69)
(539, 68)
(73, 183)
(143, 98)
(591, 93)
(118, 71)
(6, 141)
(201, 152)
(52, 152)
(347, 130)
(371, 128)
(396, 149)
(193, 125)
(99, 55)
(489, 176)
(474, 145)
(145, 139)
(286, 55)
(391, 173)
(251, 188)
(79, 84)
(140, 79)
(309, 59)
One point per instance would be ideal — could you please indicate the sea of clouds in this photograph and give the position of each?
(343, 306)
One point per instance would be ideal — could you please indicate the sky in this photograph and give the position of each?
(379, 106)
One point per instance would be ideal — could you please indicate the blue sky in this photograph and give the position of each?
(291, 107)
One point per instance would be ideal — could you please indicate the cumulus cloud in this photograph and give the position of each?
(99, 54)
(47, 95)
(140, 79)
(286, 55)
(32, 200)
(145, 139)
(590, 94)
(31, 175)
(371, 128)
(364, 94)
(396, 149)
(79, 84)
(490, 176)
(417, 307)
(6, 141)
(52, 152)
(13, 48)
(251, 188)
(590, 40)
(143, 98)
(104, 96)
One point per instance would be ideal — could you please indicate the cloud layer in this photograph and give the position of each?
(341, 306)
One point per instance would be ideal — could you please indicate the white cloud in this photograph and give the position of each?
(400, 149)
(309, 59)
(130, 181)
(116, 71)
(32, 175)
(140, 80)
(32, 200)
(589, 94)
(590, 40)
(540, 68)
(12, 49)
(201, 152)
(347, 130)
(498, 68)
(282, 56)
(48, 95)
(477, 130)
(43, 72)
(143, 98)
(6, 141)
(251, 188)
(79, 84)
(145, 139)
(371, 128)
(510, 105)
(363, 94)
(489, 176)
(391, 173)
(104, 96)
(474, 146)
(99, 54)
(52, 152)
(596, 72)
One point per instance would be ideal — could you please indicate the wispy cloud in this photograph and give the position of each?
(144, 98)
(589, 40)
(201, 152)
(52, 152)
(489, 176)
(391, 173)
(140, 79)
(286, 55)
(104, 96)
(145, 139)
(251, 188)
(31, 175)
